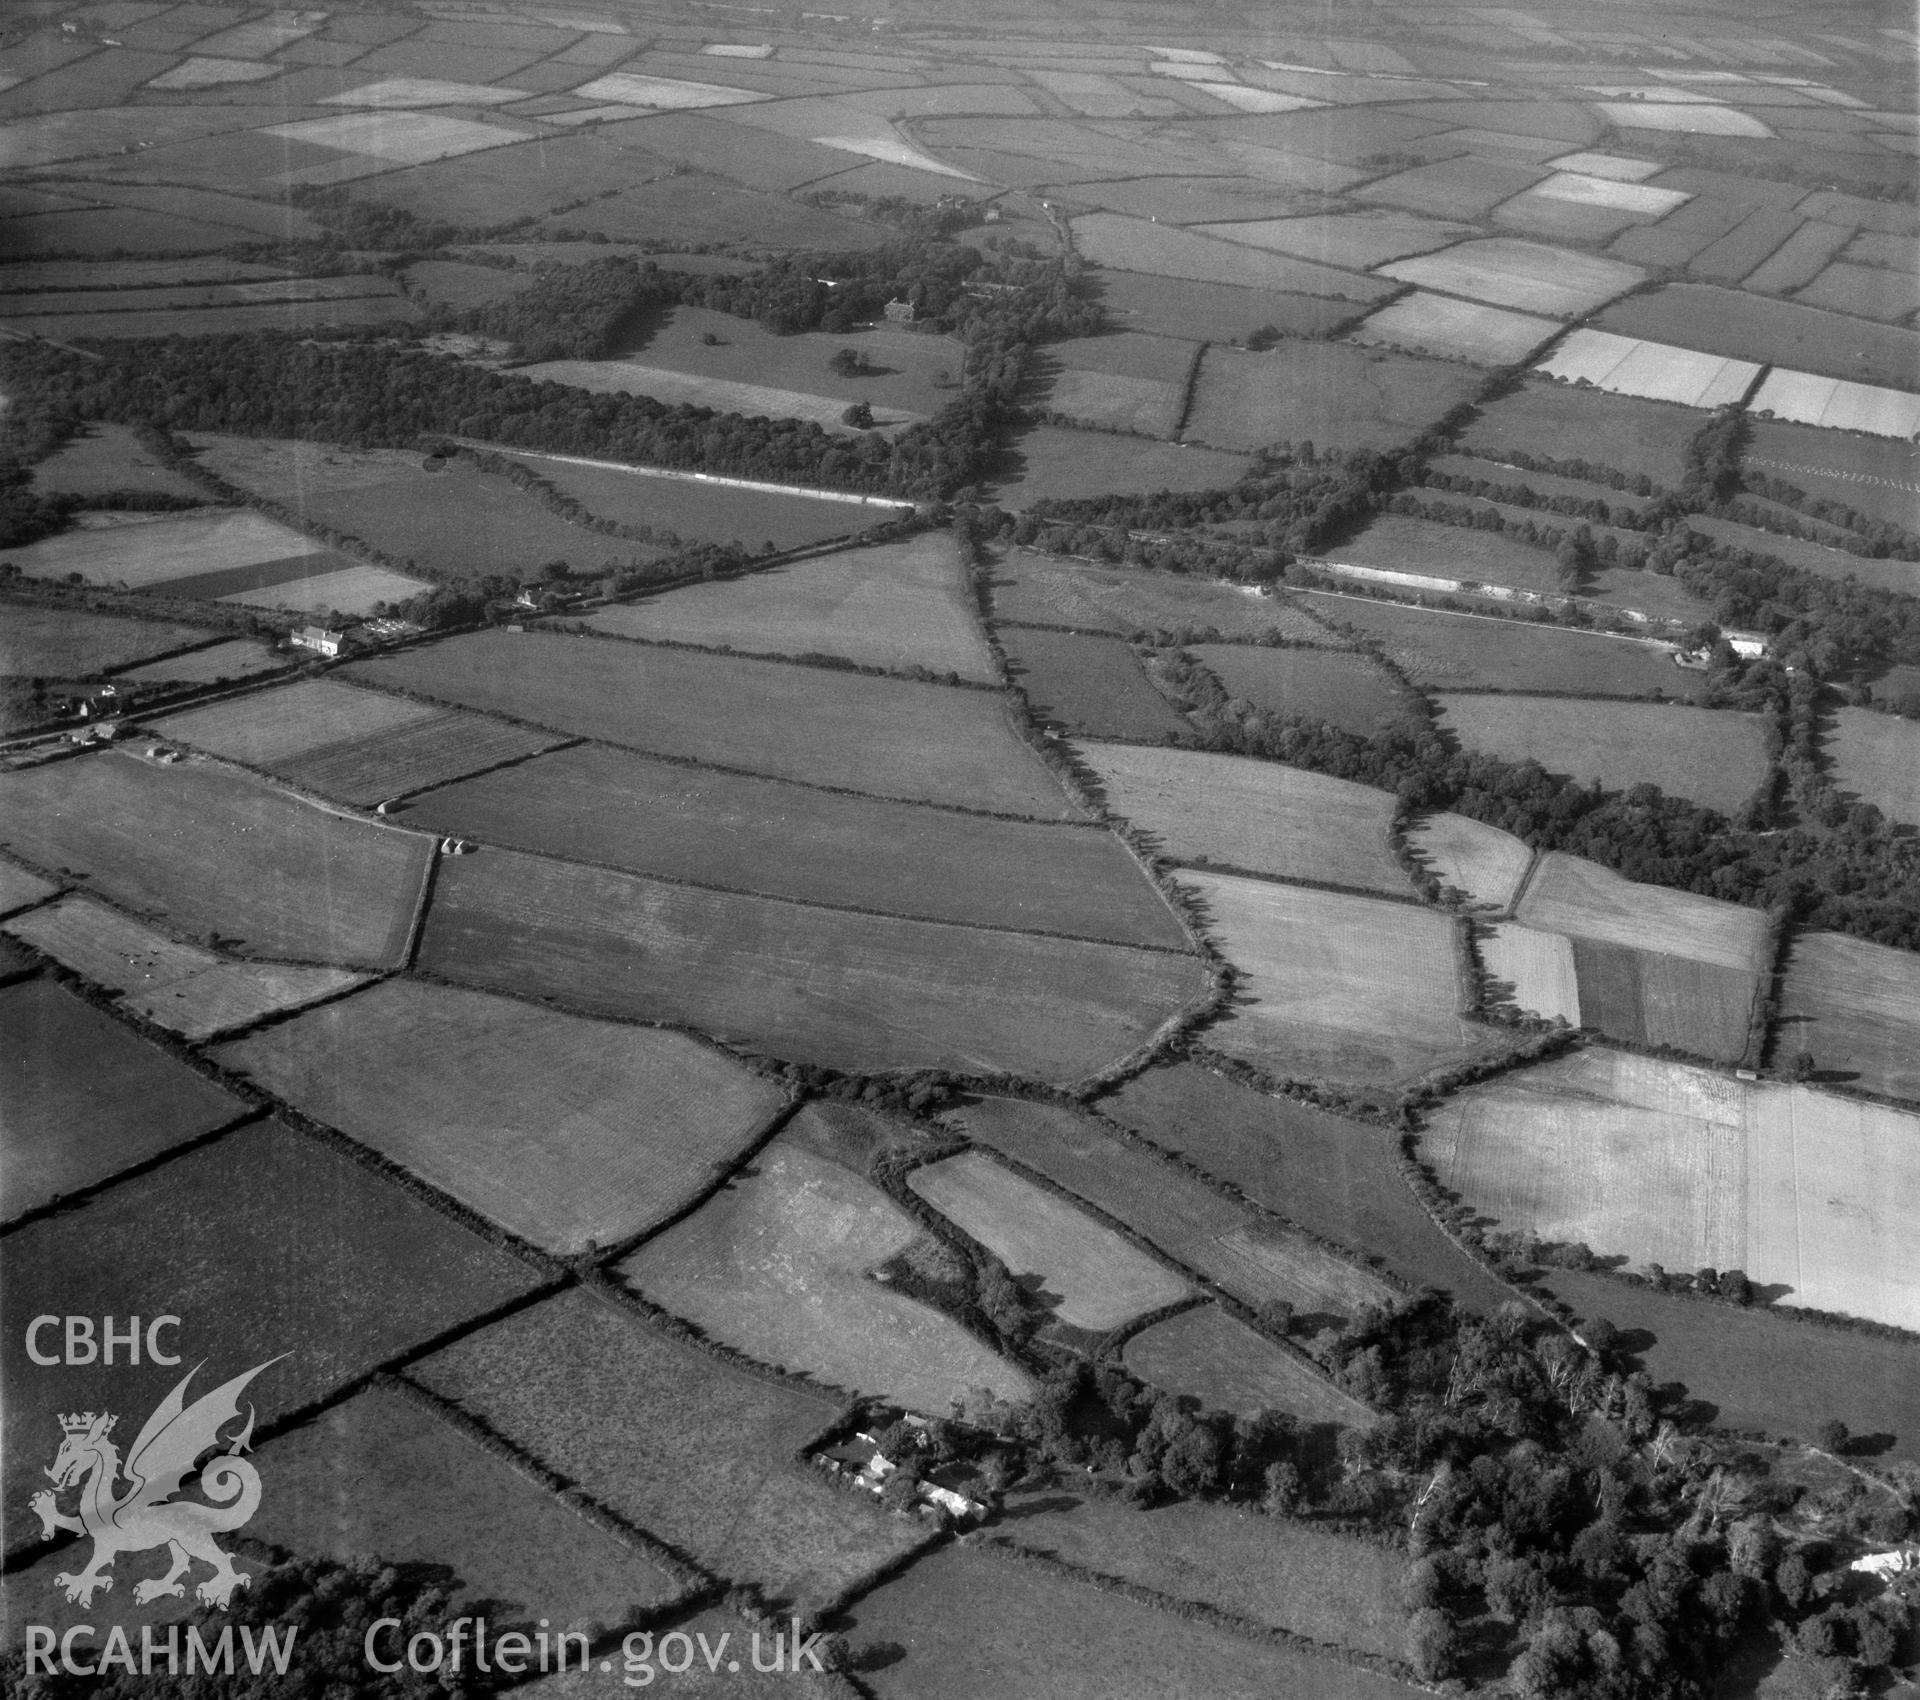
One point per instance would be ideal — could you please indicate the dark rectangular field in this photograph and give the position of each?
(1349, 691)
(411, 758)
(1090, 685)
(1648, 998)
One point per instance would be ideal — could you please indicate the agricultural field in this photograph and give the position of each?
(1347, 691)
(1332, 395)
(1208, 1355)
(1854, 1008)
(1836, 404)
(1711, 757)
(181, 987)
(1538, 974)
(358, 745)
(1876, 757)
(1088, 1275)
(380, 1273)
(1651, 997)
(1683, 1167)
(234, 658)
(901, 605)
(1274, 1571)
(297, 883)
(1256, 816)
(1449, 329)
(571, 1133)
(103, 460)
(1376, 1012)
(1091, 685)
(1542, 418)
(1570, 895)
(1217, 312)
(1439, 649)
(885, 737)
(1465, 555)
(20, 889)
(1654, 371)
(1743, 326)
(1902, 577)
(977, 1626)
(1481, 862)
(146, 552)
(82, 1098)
(1874, 475)
(1529, 276)
(1351, 240)
(1113, 401)
(779, 1265)
(382, 1474)
(692, 824)
(1125, 244)
(850, 990)
(713, 513)
(722, 395)
(694, 1451)
(1053, 462)
(1050, 590)
(1255, 1260)
(1757, 1370)
(71, 643)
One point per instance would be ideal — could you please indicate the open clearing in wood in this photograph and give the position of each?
(1439, 649)
(269, 1236)
(977, 1628)
(1351, 692)
(103, 459)
(778, 1265)
(1709, 757)
(1050, 590)
(1683, 1167)
(1349, 989)
(1855, 1008)
(1877, 758)
(181, 987)
(1210, 1356)
(1271, 1570)
(849, 990)
(697, 1453)
(1481, 862)
(689, 823)
(297, 883)
(1258, 816)
(381, 1474)
(846, 730)
(1338, 1178)
(1085, 1273)
(1088, 684)
(82, 1098)
(569, 1132)
(898, 605)
(1568, 894)
(1330, 394)
(1256, 1260)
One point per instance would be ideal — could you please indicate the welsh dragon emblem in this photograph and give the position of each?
(147, 1514)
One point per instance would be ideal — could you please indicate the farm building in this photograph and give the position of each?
(320, 640)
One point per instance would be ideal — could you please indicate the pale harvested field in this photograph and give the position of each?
(1877, 758)
(1655, 371)
(567, 1131)
(1255, 815)
(1424, 323)
(268, 728)
(897, 605)
(1856, 1008)
(1708, 756)
(1350, 989)
(1228, 1367)
(1480, 861)
(1089, 1276)
(685, 1447)
(777, 1265)
(1570, 895)
(1045, 590)
(354, 591)
(1527, 275)
(1255, 1259)
(70, 643)
(1679, 1166)
(853, 991)
(149, 552)
(1537, 967)
(237, 658)
(296, 882)
(880, 736)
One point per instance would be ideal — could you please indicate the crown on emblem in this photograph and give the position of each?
(78, 1423)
